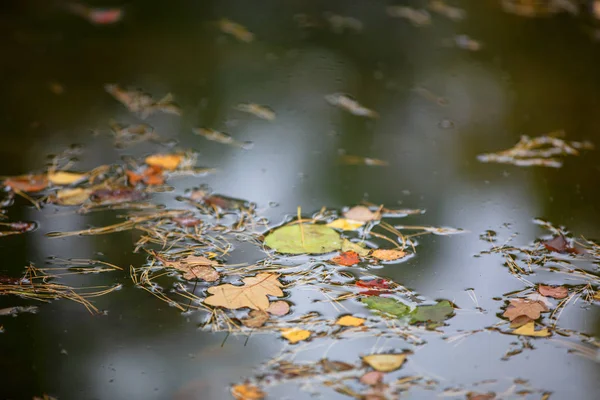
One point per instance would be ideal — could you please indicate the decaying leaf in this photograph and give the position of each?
(375, 287)
(253, 294)
(349, 104)
(256, 319)
(18, 310)
(558, 292)
(349, 320)
(372, 378)
(330, 366)
(388, 254)
(71, 196)
(387, 305)
(16, 228)
(385, 362)
(597, 295)
(305, 238)
(279, 308)
(347, 258)
(481, 396)
(27, 183)
(169, 162)
(196, 267)
(295, 335)
(560, 244)
(357, 248)
(65, 177)
(520, 321)
(116, 195)
(529, 330)
(345, 224)
(529, 308)
(435, 314)
(247, 391)
(362, 213)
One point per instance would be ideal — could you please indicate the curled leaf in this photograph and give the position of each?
(385, 362)
(169, 162)
(65, 178)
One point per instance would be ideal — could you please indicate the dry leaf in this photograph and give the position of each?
(65, 178)
(253, 294)
(529, 308)
(385, 362)
(388, 255)
(345, 224)
(347, 258)
(362, 213)
(529, 330)
(27, 183)
(72, 197)
(256, 319)
(558, 292)
(279, 308)
(166, 161)
(349, 320)
(295, 335)
(196, 267)
(372, 378)
(247, 392)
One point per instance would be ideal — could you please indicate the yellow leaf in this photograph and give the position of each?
(345, 224)
(385, 362)
(247, 392)
(349, 320)
(350, 246)
(65, 178)
(597, 295)
(529, 330)
(388, 255)
(166, 161)
(253, 294)
(72, 197)
(295, 335)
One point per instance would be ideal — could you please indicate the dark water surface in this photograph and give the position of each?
(533, 76)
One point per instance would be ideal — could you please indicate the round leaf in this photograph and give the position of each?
(318, 239)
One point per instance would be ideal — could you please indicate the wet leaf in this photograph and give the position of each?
(597, 295)
(247, 392)
(351, 246)
(295, 335)
(347, 258)
(187, 221)
(27, 183)
(196, 267)
(529, 330)
(362, 213)
(376, 286)
(279, 308)
(349, 104)
(387, 305)
(71, 197)
(310, 238)
(335, 366)
(388, 255)
(481, 396)
(372, 378)
(436, 313)
(17, 227)
(385, 362)
(169, 162)
(96, 16)
(117, 195)
(349, 320)
(345, 224)
(520, 321)
(558, 292)
(257, 110)
(256, 319)
(253, 294)
(529, 308)
(65, 178)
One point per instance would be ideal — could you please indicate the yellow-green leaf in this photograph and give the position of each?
(385, 362)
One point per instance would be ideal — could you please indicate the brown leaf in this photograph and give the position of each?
(196, 267)
(388, 255)
(347, 258)
(247, 391)
(362, 213)
(256, 319)
(481, 396)
(520, 321)
(558, 292)
(27, 183)
(529, 308)
(372, 378)
(253, 294)
(187, 221)
(116, 195)
(335, 366)
(279, 308)
(560, 244)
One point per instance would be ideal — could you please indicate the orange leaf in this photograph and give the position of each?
(388, 255)
(133, 177)
(27, 183)
(166, 161)
(347, 258)
(247, 392)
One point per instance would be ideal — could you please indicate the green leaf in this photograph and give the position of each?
(387, 305)
(436, 313)
(318, 239)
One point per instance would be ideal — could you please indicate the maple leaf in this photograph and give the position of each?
(253, 294)
(529, 308)
(558, 292)
(347, 258)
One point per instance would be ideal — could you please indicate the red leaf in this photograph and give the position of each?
(374, 284)
(559, 244)
(347, 258)
(27, 183)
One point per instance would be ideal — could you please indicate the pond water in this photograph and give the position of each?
(531, 76)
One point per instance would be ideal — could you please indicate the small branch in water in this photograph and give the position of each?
(301, 226)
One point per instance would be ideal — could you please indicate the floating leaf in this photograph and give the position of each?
(388, 255)
(330, 366)
(27, 183)
(529, 330)
(187, 221)
(351, 246)
(597, 295)
(279, 308)
(558, 292)
(520, 321)
(65, 178)
(349, 320)
(375, 286)
(117, 195)
(166, 161)
(318, 239)
(387, 305)
(345, 224)
(295, 335)
(347, 258)
(236, 30)
(72, 197)
(247, 392)
(385, 362)
(362, 213)
(529, 308)
(436, 313)
(15, 228)
(196, 267)
(256, 319)
(372, 378)
(481, 396)
(253, 294)
(257, 110)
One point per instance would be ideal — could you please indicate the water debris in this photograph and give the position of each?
(236, 30)
(430, 96)
(27, 183)
(538, 8)
(385, 362)
(252, 295)
(464, 42)
(65, 177)
(128, 135)
(347, 258)
(339, 23)
(529, 330)
(416, 17)
(18, 310)
(16, 228)
(116, 195)
(543, 151)
(221, 137)
(247, 392)
(257, 110)
(97, 16)
(295, 335)
(71, 196)
(311, 239)
(388, 255)
(142, 103)
(358, 160)
(348, 103)
(442, 8)
(362, 213)
(349, 320)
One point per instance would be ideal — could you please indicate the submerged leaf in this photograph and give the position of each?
(436, 313)
(295, 335)
(529, 330)
(347, 258)
(247, 392)
(387, 305)
(362, 213)
(253, 294)
(308, 238)
(349, 320)
(388, 255)
(558, 292)
(345, 224)
(385, 362)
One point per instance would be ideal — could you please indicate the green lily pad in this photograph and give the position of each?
(387, 305)
(436, 313)
(318, 239)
